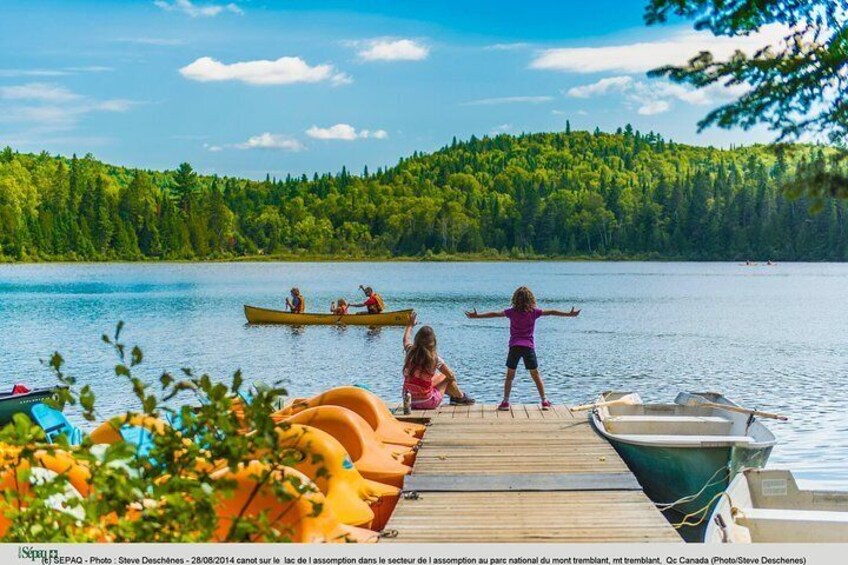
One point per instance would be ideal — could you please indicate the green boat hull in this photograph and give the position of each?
(21, 403)
(668, 474)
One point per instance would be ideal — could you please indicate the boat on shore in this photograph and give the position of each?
(767, 506)
(256, 315)
(13, 402)
(684, 454)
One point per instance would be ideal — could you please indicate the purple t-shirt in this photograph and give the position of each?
(521, 326)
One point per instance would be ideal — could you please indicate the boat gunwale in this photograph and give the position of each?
(681, 442)
(724, 504)
(33, 394)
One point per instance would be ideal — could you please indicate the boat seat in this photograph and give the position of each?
(685, 440)
(796, 526)
(668, 425)
(55, 424)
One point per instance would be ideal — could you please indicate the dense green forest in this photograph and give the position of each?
(567, 194)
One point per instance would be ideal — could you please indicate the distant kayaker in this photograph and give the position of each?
(339, 308)
(297, 304)
(426, 377)
(522, 326)
(373, 301)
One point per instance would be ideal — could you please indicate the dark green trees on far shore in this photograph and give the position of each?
(550, 194)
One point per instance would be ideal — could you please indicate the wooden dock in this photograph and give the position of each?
(525, 475)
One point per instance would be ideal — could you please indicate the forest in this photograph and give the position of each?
(569, 194)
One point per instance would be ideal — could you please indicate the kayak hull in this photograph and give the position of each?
(21, 403)
(257, 315)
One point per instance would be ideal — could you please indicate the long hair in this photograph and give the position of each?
(523, 299)
(422, 355)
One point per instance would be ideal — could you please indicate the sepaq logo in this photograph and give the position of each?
(46, 556)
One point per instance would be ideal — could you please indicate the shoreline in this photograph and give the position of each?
(431, 258)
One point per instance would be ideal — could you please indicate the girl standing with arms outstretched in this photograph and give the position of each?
(522, 326)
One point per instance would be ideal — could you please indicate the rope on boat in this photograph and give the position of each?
(703, 511)
(710, 482)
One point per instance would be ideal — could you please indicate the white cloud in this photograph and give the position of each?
(653, 97)
(652, 107)
(503, 128)
(640, 57)
(90, 69)
(386, 49)
(52, 107)
(158, 41)
(601, 87)
(196, 10)
(345, 132)
(507, 46)
(114, 105)
(53, 72)
(213, 148)
(285, 70)
(509, 100)
(39, 91)
(270, 141)
(32, 73)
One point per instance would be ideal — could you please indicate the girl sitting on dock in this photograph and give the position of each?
(522, 326)
(426, 377)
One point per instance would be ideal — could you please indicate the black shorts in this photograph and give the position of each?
(528, 354)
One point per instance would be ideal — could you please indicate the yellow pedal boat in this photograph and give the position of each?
(257, 315)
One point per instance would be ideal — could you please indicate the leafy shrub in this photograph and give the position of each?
(174, 492)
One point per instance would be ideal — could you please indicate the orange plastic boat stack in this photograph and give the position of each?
(352, 497)
(370, 456)
(370, 407)
(294, 515)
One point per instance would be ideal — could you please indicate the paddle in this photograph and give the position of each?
(626, 399)
(694, 399)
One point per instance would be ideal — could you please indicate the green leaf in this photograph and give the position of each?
(137, 356)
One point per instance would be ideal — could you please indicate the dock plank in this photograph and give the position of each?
(525, 475)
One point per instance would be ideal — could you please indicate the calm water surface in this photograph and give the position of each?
(773, 338)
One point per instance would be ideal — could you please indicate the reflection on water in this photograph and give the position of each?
(768, 337)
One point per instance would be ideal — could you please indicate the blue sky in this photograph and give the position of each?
(254, 87)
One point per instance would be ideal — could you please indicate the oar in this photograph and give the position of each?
(626, 399)
(693, 399)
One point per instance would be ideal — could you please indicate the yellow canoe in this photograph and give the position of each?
(256, 315)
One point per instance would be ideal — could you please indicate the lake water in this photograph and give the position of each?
(773, 338)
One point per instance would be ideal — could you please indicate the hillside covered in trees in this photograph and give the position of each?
(568, 194)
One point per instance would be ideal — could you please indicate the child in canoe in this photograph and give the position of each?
(339, 308)
(426, 377)
(522, 326)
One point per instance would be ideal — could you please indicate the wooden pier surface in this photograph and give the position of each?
(525, 475)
